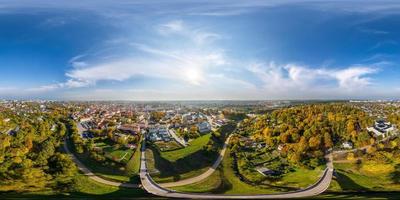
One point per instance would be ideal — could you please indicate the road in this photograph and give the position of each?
(152, 187)
(160, 189)
(203, 175)
(179, 140)
(93, 176)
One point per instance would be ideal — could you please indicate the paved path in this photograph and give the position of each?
(178, 139)
(203, 175)
(152, 187)
(93, 176)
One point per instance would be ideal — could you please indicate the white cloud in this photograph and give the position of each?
(196, 35)
(295, 79)
(187, 66)
(171, 27)
(354, 77)
(44, 88)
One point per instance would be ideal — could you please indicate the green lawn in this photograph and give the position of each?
(234, 185)
(212, 184)
(351, 177)
(174, 171)
(182, 163)
(168, 146)
(133, 165)
(185, 163)
(121, 155)
(84, 189)
(301, 178)
(116, 172)
(195, 145)
(225, 181)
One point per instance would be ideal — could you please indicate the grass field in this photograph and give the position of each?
(225, 181)
(168, 146)
(133, 165)
(121, 155)
(195, 145)
(210, 185)
(182, 163)
(85, 189)
(355, 177)
(107, 172)
(301, 178)
(174, 171)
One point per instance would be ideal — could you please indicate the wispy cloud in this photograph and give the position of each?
(197, 35)
(292, 77)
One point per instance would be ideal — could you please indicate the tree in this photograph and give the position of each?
(328, 140)
(314, 142)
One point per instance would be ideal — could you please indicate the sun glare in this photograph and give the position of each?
(193, 76)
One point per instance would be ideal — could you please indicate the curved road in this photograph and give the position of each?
(152, 187)
(93, 176)
(160, 189)
(203, 175)
(86, 171)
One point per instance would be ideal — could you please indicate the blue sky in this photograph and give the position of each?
(186, 50)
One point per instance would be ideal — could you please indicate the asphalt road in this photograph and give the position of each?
(93, 176)
(152, 187)
(203, 175)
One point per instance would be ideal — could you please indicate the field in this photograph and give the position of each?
(121, 154)
(356, 177)
(182, 163)
(133, 165)
(168, 146)
(187, 167)
(108, 170)
(225, 181)
(85, 189)
(194, 146)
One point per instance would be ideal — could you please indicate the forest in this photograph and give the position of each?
(31, 157)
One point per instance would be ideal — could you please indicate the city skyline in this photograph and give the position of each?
(187, 50)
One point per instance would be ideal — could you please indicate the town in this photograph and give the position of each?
(108, 139)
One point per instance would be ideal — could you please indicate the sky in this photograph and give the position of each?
(199, 50)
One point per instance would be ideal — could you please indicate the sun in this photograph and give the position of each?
(193, 76)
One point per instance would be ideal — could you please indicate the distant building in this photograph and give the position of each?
(280, 147)
(347, 145)
(265, 171)
(204, 127)
(131, 146)
(381, 128)
(129, 129)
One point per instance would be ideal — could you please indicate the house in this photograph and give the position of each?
(381, 128)
(347, 145)
(131, 146)
(53, 127)
(119, 135)
(204, 127)
(129, 129)
(265, 171)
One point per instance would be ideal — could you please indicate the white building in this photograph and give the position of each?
(204, 127)
(347, 145)
(381, 128)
